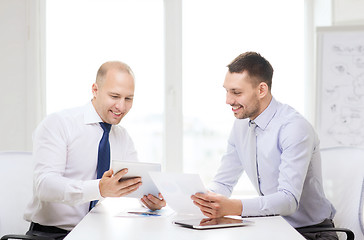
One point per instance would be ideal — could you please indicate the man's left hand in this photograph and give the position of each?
(215, 205)
(153, 202)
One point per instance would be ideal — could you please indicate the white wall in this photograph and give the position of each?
(348, 12)
(22, 91)
(13, 73)
(22, 99)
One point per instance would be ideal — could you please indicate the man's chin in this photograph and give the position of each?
(239, 116)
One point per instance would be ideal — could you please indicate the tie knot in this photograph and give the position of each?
(252, 124)
(105, 126)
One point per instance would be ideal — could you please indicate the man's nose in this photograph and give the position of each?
(120, 105)
(229, 99)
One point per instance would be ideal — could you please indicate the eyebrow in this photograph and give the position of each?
(114, 93)
(232, 89)
(118, 94)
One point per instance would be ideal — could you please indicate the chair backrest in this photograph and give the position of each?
(16, 181)
(343, 179)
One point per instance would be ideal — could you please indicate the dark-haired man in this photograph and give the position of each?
(276, 147)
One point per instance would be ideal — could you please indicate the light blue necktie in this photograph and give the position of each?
(103, 157)
(253, 156)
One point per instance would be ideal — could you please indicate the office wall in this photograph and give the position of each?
(22, 91)
(12, 69)
(348, 12)
(22, 99)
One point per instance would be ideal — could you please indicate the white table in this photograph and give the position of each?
(103, 223)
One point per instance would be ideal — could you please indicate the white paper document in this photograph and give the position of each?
(177, 189)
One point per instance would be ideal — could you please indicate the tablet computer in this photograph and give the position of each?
(210, 223)
(138, 169)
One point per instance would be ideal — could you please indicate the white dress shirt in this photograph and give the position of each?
(289, 167)
(65, 148)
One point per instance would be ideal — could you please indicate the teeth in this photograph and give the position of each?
(236, 107)
(116, 113)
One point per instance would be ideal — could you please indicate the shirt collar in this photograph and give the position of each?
(267, 115)
(90, 114)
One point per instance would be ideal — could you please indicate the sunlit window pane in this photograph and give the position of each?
(214, 33)
(83, 34)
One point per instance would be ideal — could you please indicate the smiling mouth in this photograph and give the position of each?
(236, 108)
(116, 113)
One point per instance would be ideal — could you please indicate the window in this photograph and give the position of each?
(81, 35)
(212, 37)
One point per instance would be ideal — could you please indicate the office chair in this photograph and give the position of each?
(16, 184)
(349, 234)
(343, 180)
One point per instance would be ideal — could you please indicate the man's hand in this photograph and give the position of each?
(152, 202)
(215, 205)
(110, 186)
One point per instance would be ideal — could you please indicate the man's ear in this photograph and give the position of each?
(95, 88)
(263, 89)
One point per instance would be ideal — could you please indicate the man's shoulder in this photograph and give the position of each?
(287, 114)
(288, 119)
(293, 122)
(66, 116)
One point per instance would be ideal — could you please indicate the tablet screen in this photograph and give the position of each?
(138, 169)
(208, 223)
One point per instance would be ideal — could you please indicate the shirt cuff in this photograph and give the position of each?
(250, 207)
(218, 188)
(91, 190)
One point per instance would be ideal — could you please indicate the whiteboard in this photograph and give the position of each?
(340, 86)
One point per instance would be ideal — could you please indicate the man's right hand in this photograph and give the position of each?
(110, 186)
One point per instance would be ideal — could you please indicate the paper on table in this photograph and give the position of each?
(143, 212)
(177, 189)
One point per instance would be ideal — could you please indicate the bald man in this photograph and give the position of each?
(65, 151)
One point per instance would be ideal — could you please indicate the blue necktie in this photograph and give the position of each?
(103, 157)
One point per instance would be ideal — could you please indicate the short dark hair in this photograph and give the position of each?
(256, 65)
